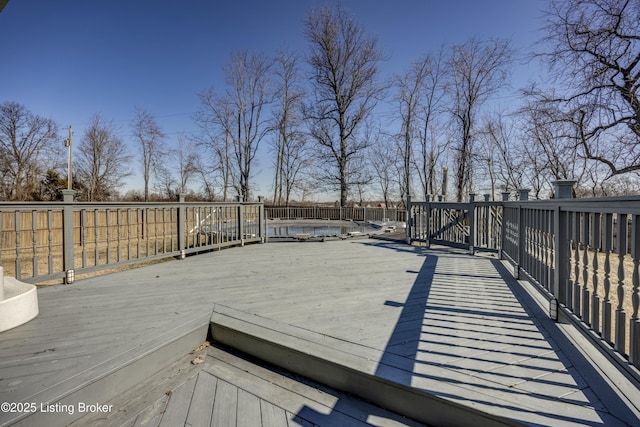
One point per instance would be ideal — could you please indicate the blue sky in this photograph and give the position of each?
(68, 59)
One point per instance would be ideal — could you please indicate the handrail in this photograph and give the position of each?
(53, 241)
(582, 253)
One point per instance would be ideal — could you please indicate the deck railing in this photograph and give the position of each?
(582, 254)
(336, 213)
(51, 241)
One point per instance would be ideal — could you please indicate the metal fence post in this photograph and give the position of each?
(67, 226)
(180, 226)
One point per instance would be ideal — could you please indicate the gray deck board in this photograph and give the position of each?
(272, 416)
(225, 406)
(178, 407)
(201, 405)
(458, 316)
(250, 413)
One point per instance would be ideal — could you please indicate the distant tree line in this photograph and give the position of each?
(319, 118)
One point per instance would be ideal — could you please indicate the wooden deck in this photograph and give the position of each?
(453, 328)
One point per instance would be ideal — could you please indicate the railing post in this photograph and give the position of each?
(561, 243)
(427, 200)
(409, 219)
(503, 233)
(523, 197)
(486, 225)
(240, 219)
(563, 189)
(262, 220)
(180, 226)
(472, 222)
(67, 226)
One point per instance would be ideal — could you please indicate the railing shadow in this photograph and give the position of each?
(477, 332)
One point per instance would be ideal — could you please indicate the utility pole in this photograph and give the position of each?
(67, 143)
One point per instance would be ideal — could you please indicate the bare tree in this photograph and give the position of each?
(102, 160)
(292, 155)
(173, 175)
(383, 169)
(410, 88)
(594, 53)
(344, 62)
(504, 154)
(234, 124)
(419, 92)
(549, 146)
(150, 137)
(25, 140)
(214, 119)
(478, 70)
(248, 91)
(186, 160)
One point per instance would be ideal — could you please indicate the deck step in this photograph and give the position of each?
(106, 380)
(304, 402)
(145, 403)
(342, 365)
(231, 389)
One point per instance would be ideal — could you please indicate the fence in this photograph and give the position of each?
(50, 241)
(336, 213)
(582, 254)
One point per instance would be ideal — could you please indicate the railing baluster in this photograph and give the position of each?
(97, 238)
(566, 258)
(50, 232)
(34, 238)
(586, 297)
(146, 235)
(155, 230)
(552, 250)
(108, 228)
(138, 232)
(634, 323)
(595, 246)
(607, 321)
(118, 236)
(164, 230)
(17, 227)
(540, 247)
(577, 287)
(128, 234)
(83, 232)
(620, 341)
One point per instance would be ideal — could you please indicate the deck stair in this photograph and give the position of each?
(345, 366)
